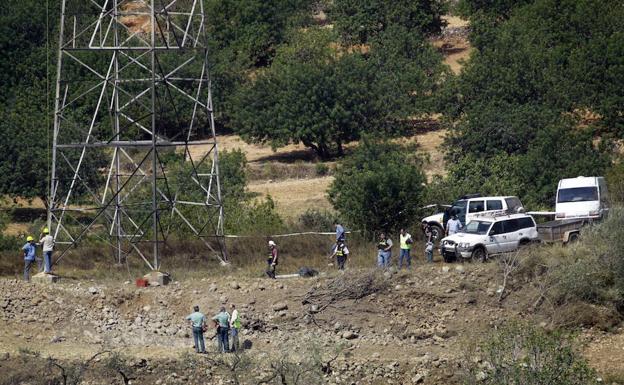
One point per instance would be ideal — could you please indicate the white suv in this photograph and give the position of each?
(486, 236)
(470, 207)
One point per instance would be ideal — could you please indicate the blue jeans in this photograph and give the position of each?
(47, 258)
(405, 254)
(28, 264)
(198, 337)
(383, 258)
(429, 255)
(234, 332)
(224, 344)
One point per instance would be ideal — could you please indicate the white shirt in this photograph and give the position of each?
(47, 242)
(453, 226)
(233, 317)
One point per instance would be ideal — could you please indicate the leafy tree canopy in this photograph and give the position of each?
(323, 96)
(379, 187)
(545, 82)
(358, 21)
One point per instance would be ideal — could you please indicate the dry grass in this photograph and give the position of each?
(295, 196)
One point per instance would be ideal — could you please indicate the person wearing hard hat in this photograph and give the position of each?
(29, 250)
(47, 243)
(272, 259)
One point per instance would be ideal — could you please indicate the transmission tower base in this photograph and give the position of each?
(45, 278)
(156, 278)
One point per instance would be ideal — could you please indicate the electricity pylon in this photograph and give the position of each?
(134, 155)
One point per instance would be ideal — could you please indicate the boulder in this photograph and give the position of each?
(280, 306)
(349, 335)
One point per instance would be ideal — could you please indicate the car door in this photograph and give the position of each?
(511, 237)
(497, 239)
(475, 207)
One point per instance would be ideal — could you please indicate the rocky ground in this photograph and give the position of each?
(360, 328)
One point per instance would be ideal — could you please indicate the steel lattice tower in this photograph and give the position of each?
(134, 156)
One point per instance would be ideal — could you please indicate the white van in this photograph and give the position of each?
(470, 207)
(582, 197)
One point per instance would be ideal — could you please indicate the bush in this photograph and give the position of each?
(317, 220)
(379, 187)
(522, 354)
(322, 169)
(615, 181)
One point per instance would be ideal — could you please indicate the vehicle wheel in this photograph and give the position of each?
(437, 233)
(479, 254)
(524, 242)
(574, 238)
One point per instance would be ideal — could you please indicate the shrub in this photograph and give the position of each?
(317, 220)
(615, 181)
(379, 187)
(322, 169)
(523, 354)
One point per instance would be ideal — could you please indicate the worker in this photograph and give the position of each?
(429, 251)
(235, 325)
(405, 243)
(272, 259)
(223, 325)
(47, 243)
(453, 225)
(29, 250)
(198, 324)
(426, 229)
(340, 232)
(341, 252)
(384, 253)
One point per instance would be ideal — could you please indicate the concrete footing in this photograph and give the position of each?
(156, 278)
(45, 278)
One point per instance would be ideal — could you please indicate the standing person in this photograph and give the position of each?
(47, 243)
(341, 252)
(426, 229)
(453, 225)
(29, 250)
(272, 259)
(198, 323)
(340, 232)
(223, 325)
(235, 326)
(405, 242)
(384, 253)
(429, 250)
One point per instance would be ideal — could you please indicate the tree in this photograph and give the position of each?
(379, 187)
(324, 96)
(357, 21)
(244, 35)
(539, 90)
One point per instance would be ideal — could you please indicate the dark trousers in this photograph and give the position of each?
(27, 266)
(340, 260)
(271, 269)
(198, 337)
(224, 343)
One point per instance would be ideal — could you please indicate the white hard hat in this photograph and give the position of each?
(271, 243)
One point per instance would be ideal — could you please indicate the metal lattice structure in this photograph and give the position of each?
(134, 157)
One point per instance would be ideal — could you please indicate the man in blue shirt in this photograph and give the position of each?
(198, 321)
(340, 232)
(29, 256)
(223, 325)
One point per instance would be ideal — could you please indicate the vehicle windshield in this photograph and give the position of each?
(477, 227)
(458, 208)
(577, 194)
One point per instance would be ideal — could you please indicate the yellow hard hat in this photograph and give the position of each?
(29, 238)
(45, 230)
